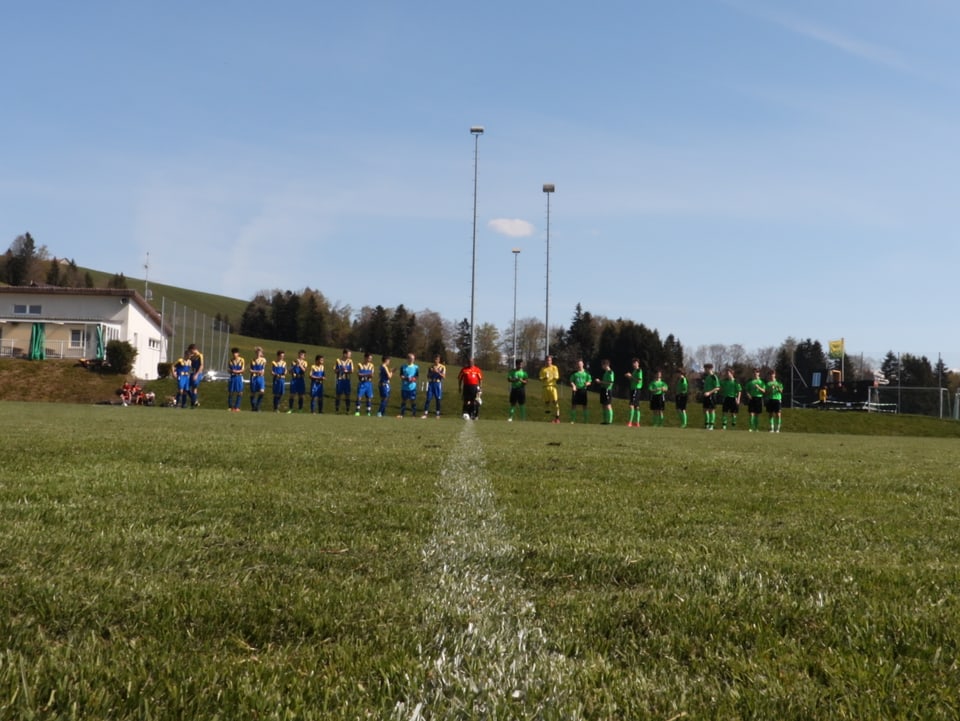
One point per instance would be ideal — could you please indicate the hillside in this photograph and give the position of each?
(206, 303)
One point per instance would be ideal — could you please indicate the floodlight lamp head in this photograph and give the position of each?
(548, 187)
(477, 130)
(516, 251)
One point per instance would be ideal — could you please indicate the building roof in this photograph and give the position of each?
(51, 290)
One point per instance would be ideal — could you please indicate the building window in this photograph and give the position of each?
(154, 344)
(35, 310)
(19, 309)
(76, 339)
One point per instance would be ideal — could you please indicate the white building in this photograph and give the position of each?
(79, 322)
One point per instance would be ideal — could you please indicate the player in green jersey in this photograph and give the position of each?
(658, 388)
(731, 390)
(756, 389)
(579, 382)
(635, 381)
(517, 378)
(605, 382)
(774, 393)
(681, 392)
(711, 386)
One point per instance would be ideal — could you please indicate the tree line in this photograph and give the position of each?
(26, 263)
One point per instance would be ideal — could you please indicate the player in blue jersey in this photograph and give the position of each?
(258, 367)
(436, 374)
(195, 358)
(278, 370)
(365, 383)
(343, 369)
(182, 370)
(409, 376)
(317, 374)
(236, 366)
(386, 373)
(298, 381)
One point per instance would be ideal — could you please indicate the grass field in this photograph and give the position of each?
(164, 564)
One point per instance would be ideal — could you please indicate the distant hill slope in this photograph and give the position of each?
(161, 294)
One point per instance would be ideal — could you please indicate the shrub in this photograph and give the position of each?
(164, 370)
(120, 356)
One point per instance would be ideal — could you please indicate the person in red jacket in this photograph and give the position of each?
(469, 382)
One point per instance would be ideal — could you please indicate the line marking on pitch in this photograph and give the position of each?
(483, 649)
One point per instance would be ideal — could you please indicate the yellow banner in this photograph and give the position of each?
(836, 348)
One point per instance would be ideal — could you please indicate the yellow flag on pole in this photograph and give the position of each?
(836, 348)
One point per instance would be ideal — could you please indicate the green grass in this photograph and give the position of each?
(171, 564)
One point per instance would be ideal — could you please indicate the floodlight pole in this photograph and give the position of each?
(516, 257)
(476, 131)
(548, 188)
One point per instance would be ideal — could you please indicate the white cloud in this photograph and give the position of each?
(511, 227)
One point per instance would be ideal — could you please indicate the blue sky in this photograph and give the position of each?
(727, 171)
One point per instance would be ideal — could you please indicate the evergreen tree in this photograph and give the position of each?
(462, 340)
(399, 329)
(53, 273)
(21, 259)
(312, 320)
(891, 367)
(255, 321)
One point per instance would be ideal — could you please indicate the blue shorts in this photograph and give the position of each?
(257, 384)
(343, 387)
(316, 389)
(278, 386)
(183, 383)
(409, 394)
(365, 389)
(384, 390)
(298, 385)
(434, 390)
(235, 384)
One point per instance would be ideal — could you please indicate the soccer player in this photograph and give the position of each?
(298, 381)
(550, 376)
(468, 382)
(342, 370)
(517, 378)
(680, 395)
(409, 376)
(365, 383)
(605, 381)
(579, 382)
(756, 389)
(711, 386)
(182, 370)
(317, 375)
(732, 391)
(635, 380)
(258, 367)
(386, 373)
(195, 358)
(279, 372)
(436, 375)
(774, 393)
(236, 366)
(658, 389)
